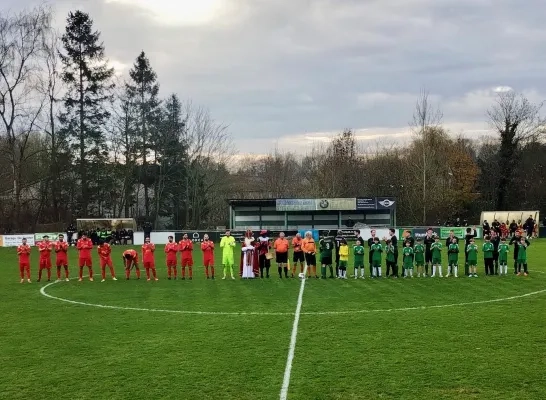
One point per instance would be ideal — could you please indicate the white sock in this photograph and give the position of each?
(362, 272)
(440, 270)
(411, 272)
(455, 271)
(434, 270)
(448, 270)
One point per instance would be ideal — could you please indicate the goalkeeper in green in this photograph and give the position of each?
(227, 244)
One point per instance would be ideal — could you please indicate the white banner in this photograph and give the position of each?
(380, 233)
(16, 240)
(155, 237)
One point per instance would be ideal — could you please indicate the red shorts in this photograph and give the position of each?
(24, 266)
(149, 264)
(61, 262)
(106, 262)
(208, 261)
(45, 263)
(86, 262)
(187, 262)
(172, 262)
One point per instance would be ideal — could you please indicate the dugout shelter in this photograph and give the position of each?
(323, 213)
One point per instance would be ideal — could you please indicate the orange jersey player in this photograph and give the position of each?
(61, 257)
(186, 248)
(171, 250)
(105, 256)
(84, 246)
(148, 258)
(45, 247)
(207, 246)
(130, 258)
(23, 251)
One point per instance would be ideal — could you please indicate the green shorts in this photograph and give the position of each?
(472, 263)
(342, 264)
(436, 261)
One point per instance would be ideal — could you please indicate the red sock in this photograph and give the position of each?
(190, 269)
(138, 272)
(127, 273)
(66, 271)
(183, 272)
(169, 269)
(212, 270)
(40, 273)
(81, 272)
(175, 269)
(90, 272)
(103, 272)
(147, 273)
(112, 273)
(154, 273)
(207, 270)
(22, 272)
(49, 274)
(58, 272)
(28, 272)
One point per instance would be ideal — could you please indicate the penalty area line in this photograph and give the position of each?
(293, 339)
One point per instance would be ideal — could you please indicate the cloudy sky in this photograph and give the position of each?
(289, 73)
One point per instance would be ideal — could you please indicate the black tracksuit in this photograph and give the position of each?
(338, 240)
(370, 254)
(428, 253)
(496, 242)
(514, 241)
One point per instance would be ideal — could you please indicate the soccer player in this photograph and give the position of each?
(504, 249)
(358, 251)
(207, 246)
(453, 258)
(186, 249)
(171, 250)
(281, 254)
(371, 242)
(343, 258)
(389, 252)
(61, 258)
(522, 256)
(148, 258)
(84, 246)
(105, 250)
(298, 255)
(472, 258)
(338, 240)
(470, 234)
(436, 252)
(310, 249)
(227, 244)
(130, 259)
(45, 247)
(488, 249)
(407, 253)
(377, 250)
(326, 246)
(419, 251)
(516, 241)
(23, 251)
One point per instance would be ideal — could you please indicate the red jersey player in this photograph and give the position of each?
(208, 255)
(148, 258)
(186, 248)
(84, 246)
(171, 249)
(45, 247)
(130, 258)
(23, 251)
(105, 250)
(61, 257)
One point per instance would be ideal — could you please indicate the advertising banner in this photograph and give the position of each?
(336, 204)
(296, 204)
(53, 237)
(366, 203)
(386, 203)
(16, 240)
(459, 232)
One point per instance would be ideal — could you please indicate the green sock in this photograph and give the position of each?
(225, 270)
(231, 270)
(331, 270)
(323, 271)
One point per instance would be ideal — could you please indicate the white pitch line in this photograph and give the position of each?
(293, 338)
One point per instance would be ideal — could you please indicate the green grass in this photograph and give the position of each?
(57, 350)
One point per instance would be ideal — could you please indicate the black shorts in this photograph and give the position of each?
(310, 259)
(326, 260)
(281, 258)
(428, 257)
(264, 262)
(299, 256)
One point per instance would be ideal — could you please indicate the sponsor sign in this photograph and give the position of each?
(53, 237)
(336, 204)
(296, 204)
(366, 203)
(459, 232)
(386, 203)
(16, 240)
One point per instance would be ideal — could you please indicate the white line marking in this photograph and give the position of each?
(259, 313)
(293, 337)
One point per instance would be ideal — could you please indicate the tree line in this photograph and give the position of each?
(76, 141)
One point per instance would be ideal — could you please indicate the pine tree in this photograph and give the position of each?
(89, 84)
(143, 90)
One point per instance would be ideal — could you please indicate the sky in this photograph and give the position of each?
(288, 74)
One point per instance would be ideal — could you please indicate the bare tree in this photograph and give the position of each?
(22, 52)
(517, 122)
(426, 118)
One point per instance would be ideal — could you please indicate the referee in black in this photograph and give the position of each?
(339, 238)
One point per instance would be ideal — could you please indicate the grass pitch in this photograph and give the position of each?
(364, 339)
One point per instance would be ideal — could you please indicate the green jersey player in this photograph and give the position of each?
(453, 258)
(419, 251)
(472, 258)
(326, 246)
(436, 250)
(376, 250)
(504, 248)
(407, 253)
(358, 251)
